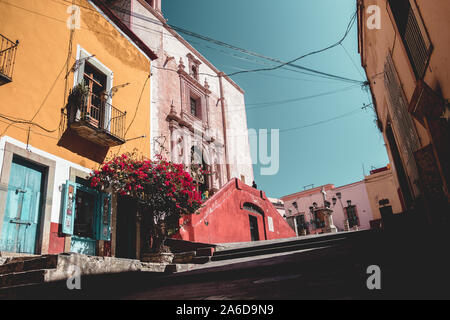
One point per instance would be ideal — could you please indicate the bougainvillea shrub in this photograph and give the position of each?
(164, 191)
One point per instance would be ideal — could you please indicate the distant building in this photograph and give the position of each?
(406, 61)
(383, 195)
(279, 205)
(352, 207)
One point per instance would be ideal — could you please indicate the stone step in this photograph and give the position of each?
(29, 264)
(185, 257)
(200, 260)
(200, 256)
(205, 252)
(175, 268)
(22, 278)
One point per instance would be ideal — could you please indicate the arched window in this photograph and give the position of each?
(253, 208)
(198, 162)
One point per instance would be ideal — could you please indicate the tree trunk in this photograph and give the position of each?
(158, 239)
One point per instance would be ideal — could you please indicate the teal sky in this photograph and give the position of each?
(333, 152)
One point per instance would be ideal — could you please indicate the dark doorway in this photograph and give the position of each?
(386, 216)
(126, 228)
(401, 173)
(254, 232)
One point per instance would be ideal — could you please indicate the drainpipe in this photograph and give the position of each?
(224, 123)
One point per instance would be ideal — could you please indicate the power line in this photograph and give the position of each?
(352, 21)
(323, 121)
(182, 30)
(281, 65)
(263, 105)
(248, 52)
(227, 45)
(351, 59)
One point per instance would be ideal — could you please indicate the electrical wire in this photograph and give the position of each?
(224, 44)
(322, 122)
(263, 105)
(281, 65)
(352, 21)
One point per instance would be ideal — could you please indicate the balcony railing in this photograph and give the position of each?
(93, 118)
(7, 59)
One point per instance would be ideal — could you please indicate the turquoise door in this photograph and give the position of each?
(23, 206)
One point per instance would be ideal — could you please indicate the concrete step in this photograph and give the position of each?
(265, 250)
(251, 249)
(227, 248)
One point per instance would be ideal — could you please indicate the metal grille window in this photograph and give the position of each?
(408, 142)
(194, 107)
(352, 216)
(416, 44)
(301, 222)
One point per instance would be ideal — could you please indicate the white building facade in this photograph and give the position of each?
(197, 112)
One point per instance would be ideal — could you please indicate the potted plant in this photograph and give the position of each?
(76, 101)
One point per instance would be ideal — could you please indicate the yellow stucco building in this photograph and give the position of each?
(74, 90)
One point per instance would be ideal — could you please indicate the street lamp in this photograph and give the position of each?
(334, 201)
(349, 203)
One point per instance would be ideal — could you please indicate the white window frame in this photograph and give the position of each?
(82, 54)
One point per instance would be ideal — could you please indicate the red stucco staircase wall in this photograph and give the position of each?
(223, 218)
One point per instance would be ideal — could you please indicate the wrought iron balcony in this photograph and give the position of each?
(96, 120)
(7, 59)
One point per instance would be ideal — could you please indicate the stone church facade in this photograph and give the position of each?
(197, 113)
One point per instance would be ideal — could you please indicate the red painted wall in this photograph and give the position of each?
(223, 219)
(56, 243)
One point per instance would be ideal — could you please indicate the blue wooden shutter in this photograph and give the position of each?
(104, 217)
(69, 200)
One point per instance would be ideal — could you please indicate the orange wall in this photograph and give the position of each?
(40, 68)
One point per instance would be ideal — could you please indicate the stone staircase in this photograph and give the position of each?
(32, 270)
(229, 253)
(18, 271)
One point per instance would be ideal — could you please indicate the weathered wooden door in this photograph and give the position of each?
(254, 231)
(23, 207)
